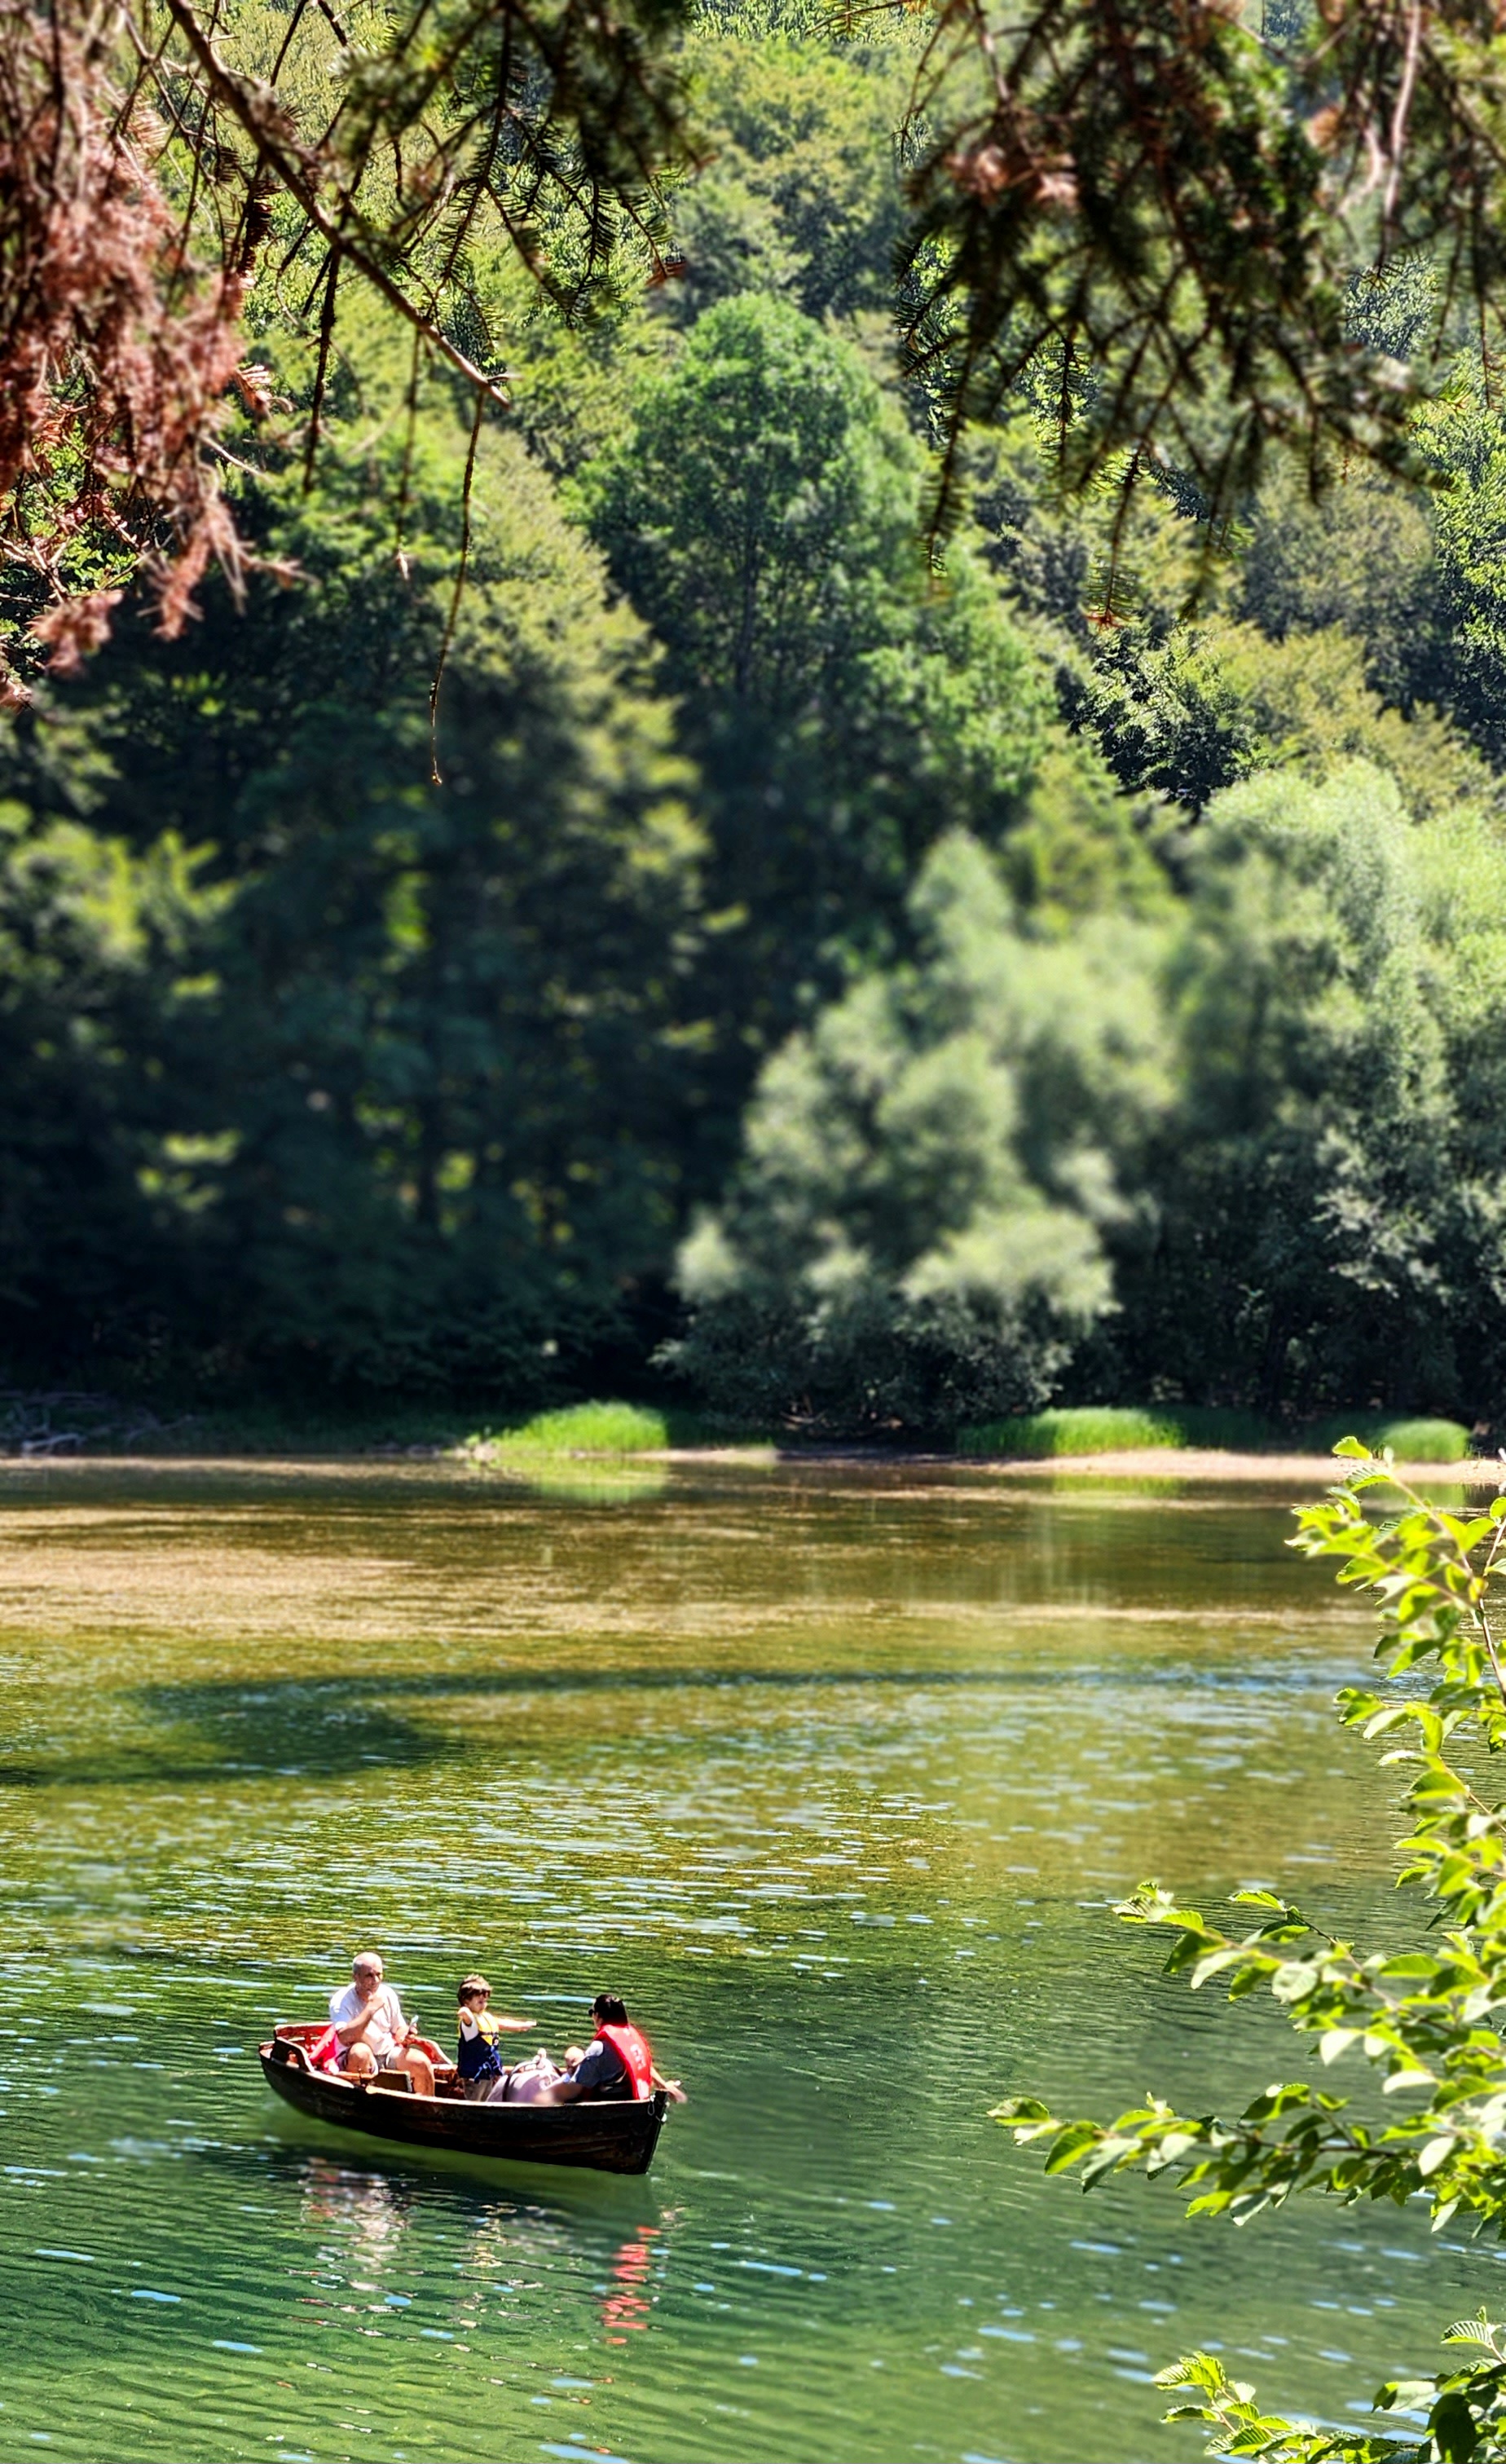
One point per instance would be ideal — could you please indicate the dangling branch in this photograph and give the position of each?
(126, 128)
(1142, 180)
(456, 595)
(256, 113)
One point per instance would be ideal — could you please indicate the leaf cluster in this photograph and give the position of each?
(1155, 214)
(177, 172)
(1465, 2410)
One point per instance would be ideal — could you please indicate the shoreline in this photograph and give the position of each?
(1202, 1464)
(1210, 1463)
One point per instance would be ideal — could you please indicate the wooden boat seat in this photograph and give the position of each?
(291, 2039)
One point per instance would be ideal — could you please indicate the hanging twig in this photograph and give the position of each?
(455, 596)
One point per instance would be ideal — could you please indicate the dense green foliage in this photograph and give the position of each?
(885, 996)
(918, 1226)
(1246, 1143)
(369, 1072)
(1182, 227)
(1175, 217)
(1423, 2019)
(764, 513)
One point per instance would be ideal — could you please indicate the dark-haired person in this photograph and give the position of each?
(617, 2062)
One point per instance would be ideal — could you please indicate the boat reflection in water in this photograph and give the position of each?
(626, 2311)
(365, 2214)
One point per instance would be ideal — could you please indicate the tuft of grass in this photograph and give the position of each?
(581, 1429)
(1083, 1429)
(1426, 1441)
(1410, 1440)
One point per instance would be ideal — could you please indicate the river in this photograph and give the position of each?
(833, 1774)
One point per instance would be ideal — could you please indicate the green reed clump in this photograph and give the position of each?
(1421, 1441)
(1071, 1429)
(581, 1429)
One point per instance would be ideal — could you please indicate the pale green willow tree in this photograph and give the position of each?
(1427, 2021)
(915, 1232)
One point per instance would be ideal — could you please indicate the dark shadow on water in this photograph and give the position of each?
(335, 1728)
(327, 1731)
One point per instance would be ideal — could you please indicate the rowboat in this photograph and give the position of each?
(608, 2137)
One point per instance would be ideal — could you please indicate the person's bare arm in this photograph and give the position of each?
(671, 2087)
(514, 2027)
(403, 2031)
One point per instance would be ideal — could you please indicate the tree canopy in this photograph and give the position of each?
(764, 513)
(325, 1074)
(1162, 217)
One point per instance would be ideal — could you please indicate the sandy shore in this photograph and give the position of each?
(1207, 1463)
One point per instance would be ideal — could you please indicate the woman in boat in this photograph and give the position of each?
(617, 2063)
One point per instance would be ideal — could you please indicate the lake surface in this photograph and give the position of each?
(832, 1774)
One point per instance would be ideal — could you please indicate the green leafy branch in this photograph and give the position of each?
(1464, 2412)
(1425, 2021)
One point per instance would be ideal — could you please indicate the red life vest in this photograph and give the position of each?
(324, 2051)
(632, 2052)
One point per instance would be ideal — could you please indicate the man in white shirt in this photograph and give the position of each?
(373, 2035)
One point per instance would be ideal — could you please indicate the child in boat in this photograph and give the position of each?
(477, 2060)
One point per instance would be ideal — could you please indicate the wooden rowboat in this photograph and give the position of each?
(608, 2137)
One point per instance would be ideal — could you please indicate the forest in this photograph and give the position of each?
(847, 971)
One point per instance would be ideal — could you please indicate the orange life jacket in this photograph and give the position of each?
(632, 2052)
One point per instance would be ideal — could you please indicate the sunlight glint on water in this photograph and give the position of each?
(832, 1775)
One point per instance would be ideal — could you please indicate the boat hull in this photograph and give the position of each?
(606, 2138)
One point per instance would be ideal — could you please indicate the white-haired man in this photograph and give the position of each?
(367, 2017)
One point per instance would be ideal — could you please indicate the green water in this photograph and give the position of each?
(831, 1775)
